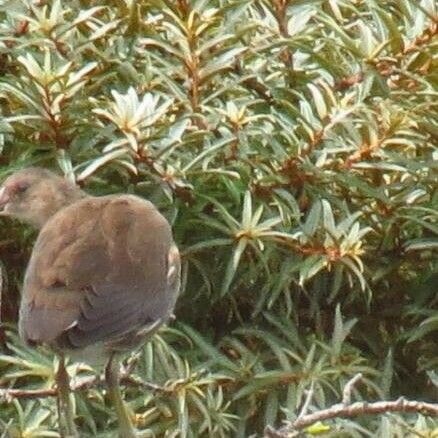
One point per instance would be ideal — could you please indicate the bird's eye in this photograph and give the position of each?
(22, 187)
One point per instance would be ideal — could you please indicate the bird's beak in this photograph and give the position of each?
(4, 199)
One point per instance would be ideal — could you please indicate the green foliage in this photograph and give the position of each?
(293, 147)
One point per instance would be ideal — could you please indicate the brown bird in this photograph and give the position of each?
(104, 275)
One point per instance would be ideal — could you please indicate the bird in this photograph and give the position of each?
(103, 276)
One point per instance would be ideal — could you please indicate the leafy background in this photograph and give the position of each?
(292, 144)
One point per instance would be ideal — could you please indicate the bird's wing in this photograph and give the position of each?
(100, 268)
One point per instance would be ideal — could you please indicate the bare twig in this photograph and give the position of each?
(10, 394)
(346, 394)
(84, 384)
(135, 381)
(361, 408)
(353, 410)
(306, 404)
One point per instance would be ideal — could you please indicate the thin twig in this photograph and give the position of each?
(346, 394)
(361, 408)
(84, 384)
(307, 401)
(353, 410)
(10, 394)
(136, 381)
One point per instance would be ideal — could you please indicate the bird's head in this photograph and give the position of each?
(33, 195)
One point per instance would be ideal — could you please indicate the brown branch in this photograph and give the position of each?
(363, 408)
(280, 8)
(353, 410)
(10, 394)
(254, 85)
(84, 384)
(347, 410)
(136, 381)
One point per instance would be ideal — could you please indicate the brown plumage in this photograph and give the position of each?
(104, 271)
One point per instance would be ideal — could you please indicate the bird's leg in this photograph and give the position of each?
(65, 406)
(126, 428)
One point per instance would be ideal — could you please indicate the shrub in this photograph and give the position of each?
(292, 145)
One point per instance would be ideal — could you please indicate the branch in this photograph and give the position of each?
(86, 383)
(307, 401)
(348, 410)
(10, 394)
(348, 389)
(353, 410)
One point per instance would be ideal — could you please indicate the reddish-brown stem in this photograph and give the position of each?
(280, 7)
(84, 384)
(59, 139)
